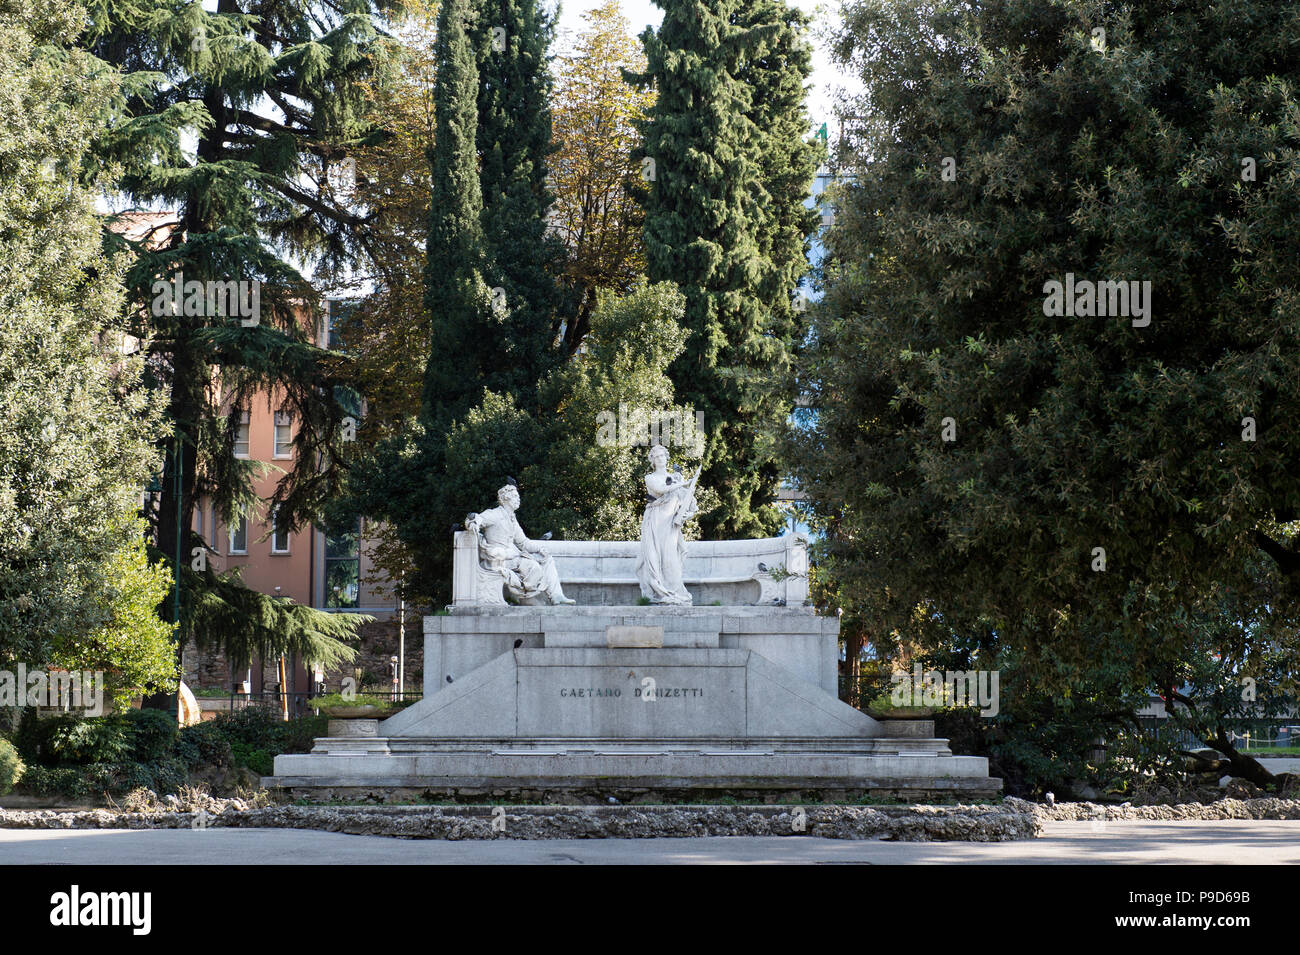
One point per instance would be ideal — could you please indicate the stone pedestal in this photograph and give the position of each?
(353, 728)
(581, 699)
(796, 638)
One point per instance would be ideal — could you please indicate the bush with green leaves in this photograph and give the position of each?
(78, 741)
(251, 757)
(164, 776)
(153, 735)
(27, 735)
(262, 728)
(299, 736)
(79, 758)
(95, 779)
(11, 767)
(65, 781)
(203, 744)
(76, 447)
(1041, 740)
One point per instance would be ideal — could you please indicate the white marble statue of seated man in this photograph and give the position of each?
(525, 565)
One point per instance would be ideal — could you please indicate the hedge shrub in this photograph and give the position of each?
(11, 767)
(75, 741)
(77, 758)
(153, 735)
(203, 744)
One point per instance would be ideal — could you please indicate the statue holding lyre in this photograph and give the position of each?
(670, 503)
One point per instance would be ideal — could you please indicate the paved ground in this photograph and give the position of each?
(1281, 764)
(1063, 842)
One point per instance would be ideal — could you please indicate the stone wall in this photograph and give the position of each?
(379, 641)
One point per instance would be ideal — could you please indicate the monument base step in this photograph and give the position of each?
(559, 766)
(905, 791)
(706, 746)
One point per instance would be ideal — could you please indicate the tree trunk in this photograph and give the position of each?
(1239, 764)
(853, 667)
(184, 410)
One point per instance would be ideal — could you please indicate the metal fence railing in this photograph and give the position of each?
(1248, 735)
(292, 704)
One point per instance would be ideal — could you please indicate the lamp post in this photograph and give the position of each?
(401, 636)
(178, 467)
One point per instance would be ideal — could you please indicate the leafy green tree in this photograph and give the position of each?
(594, 173)
(77, 443)
(729, 173)
(1242, 664)
(1082, 486)
(573, 483)
(592, 487)
(132, 645)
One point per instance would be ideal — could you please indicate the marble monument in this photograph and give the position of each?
(508, 560)
(635, 669)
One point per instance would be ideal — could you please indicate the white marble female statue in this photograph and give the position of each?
(670, 503)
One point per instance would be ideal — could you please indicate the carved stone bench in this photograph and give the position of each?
(770, 571)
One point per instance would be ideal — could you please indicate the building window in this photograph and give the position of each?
(283, 434)
(279, 537)
(337, 315)
(343, 569)
(241, 437)
(239, 536)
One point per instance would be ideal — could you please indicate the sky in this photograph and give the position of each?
(825, 79)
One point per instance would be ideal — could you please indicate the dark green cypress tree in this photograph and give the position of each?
(523, 260)
(491, 282)
(720, 218)
(775, 70)
(457, 298)
(492, 290)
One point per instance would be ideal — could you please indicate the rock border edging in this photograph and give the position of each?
(1267, 807)
(905, 823)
